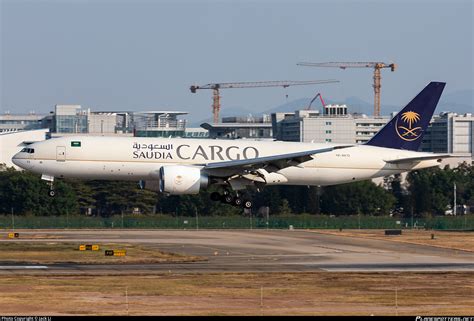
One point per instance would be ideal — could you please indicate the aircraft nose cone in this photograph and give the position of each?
(18, 161)
(15, 160)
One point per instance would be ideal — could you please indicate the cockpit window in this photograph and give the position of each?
(28, 150)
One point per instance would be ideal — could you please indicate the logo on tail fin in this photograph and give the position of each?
(404, 126)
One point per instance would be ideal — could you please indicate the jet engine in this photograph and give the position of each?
(178, 179)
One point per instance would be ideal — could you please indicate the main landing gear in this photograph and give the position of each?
(230, 199)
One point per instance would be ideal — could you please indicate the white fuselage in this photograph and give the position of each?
(139, 158)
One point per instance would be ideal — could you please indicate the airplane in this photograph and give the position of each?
(177, 166)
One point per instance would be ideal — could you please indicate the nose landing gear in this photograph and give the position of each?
(52, 192)
(50, 180)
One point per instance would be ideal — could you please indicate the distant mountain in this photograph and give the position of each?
(462, 97)
(355, 104)
(301, 103)
(457, 101)
(461, 101)
(225, 112)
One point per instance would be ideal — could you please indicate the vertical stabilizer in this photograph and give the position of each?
(406, 129)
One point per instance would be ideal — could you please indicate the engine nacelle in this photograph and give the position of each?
(179, 179)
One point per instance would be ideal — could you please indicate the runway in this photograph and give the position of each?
(251, 251)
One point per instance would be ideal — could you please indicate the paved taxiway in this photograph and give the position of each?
(253, 251)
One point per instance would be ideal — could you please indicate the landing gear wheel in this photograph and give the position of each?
(52, 193)
(248, 204)
(228, 199)
(215, 196)
(238, 201)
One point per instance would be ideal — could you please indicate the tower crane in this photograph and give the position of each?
(216, 105)
(377, 66)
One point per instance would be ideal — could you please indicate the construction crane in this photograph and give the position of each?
(377, 77)
(314, 98)
(216, 104)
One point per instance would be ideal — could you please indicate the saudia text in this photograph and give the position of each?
(188, 152)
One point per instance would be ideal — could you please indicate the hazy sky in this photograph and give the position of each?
(144, 55)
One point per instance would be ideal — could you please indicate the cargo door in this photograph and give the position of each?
(61, 153)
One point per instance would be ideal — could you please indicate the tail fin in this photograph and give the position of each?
(406, 129)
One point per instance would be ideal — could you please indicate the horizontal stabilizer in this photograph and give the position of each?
(417, 159)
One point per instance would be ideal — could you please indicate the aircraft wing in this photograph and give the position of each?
(274, 162)
(417, 159)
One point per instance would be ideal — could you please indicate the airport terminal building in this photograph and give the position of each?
(236, 127)
(334, 125)
(73, 119)
(17, 122)
(450, 133)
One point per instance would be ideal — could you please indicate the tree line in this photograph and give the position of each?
(427, 191)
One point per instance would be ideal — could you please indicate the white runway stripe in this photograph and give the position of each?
(19, 267)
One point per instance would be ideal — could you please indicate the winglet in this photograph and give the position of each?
(406, 129)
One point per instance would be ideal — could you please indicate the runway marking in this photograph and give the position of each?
(19, 267)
